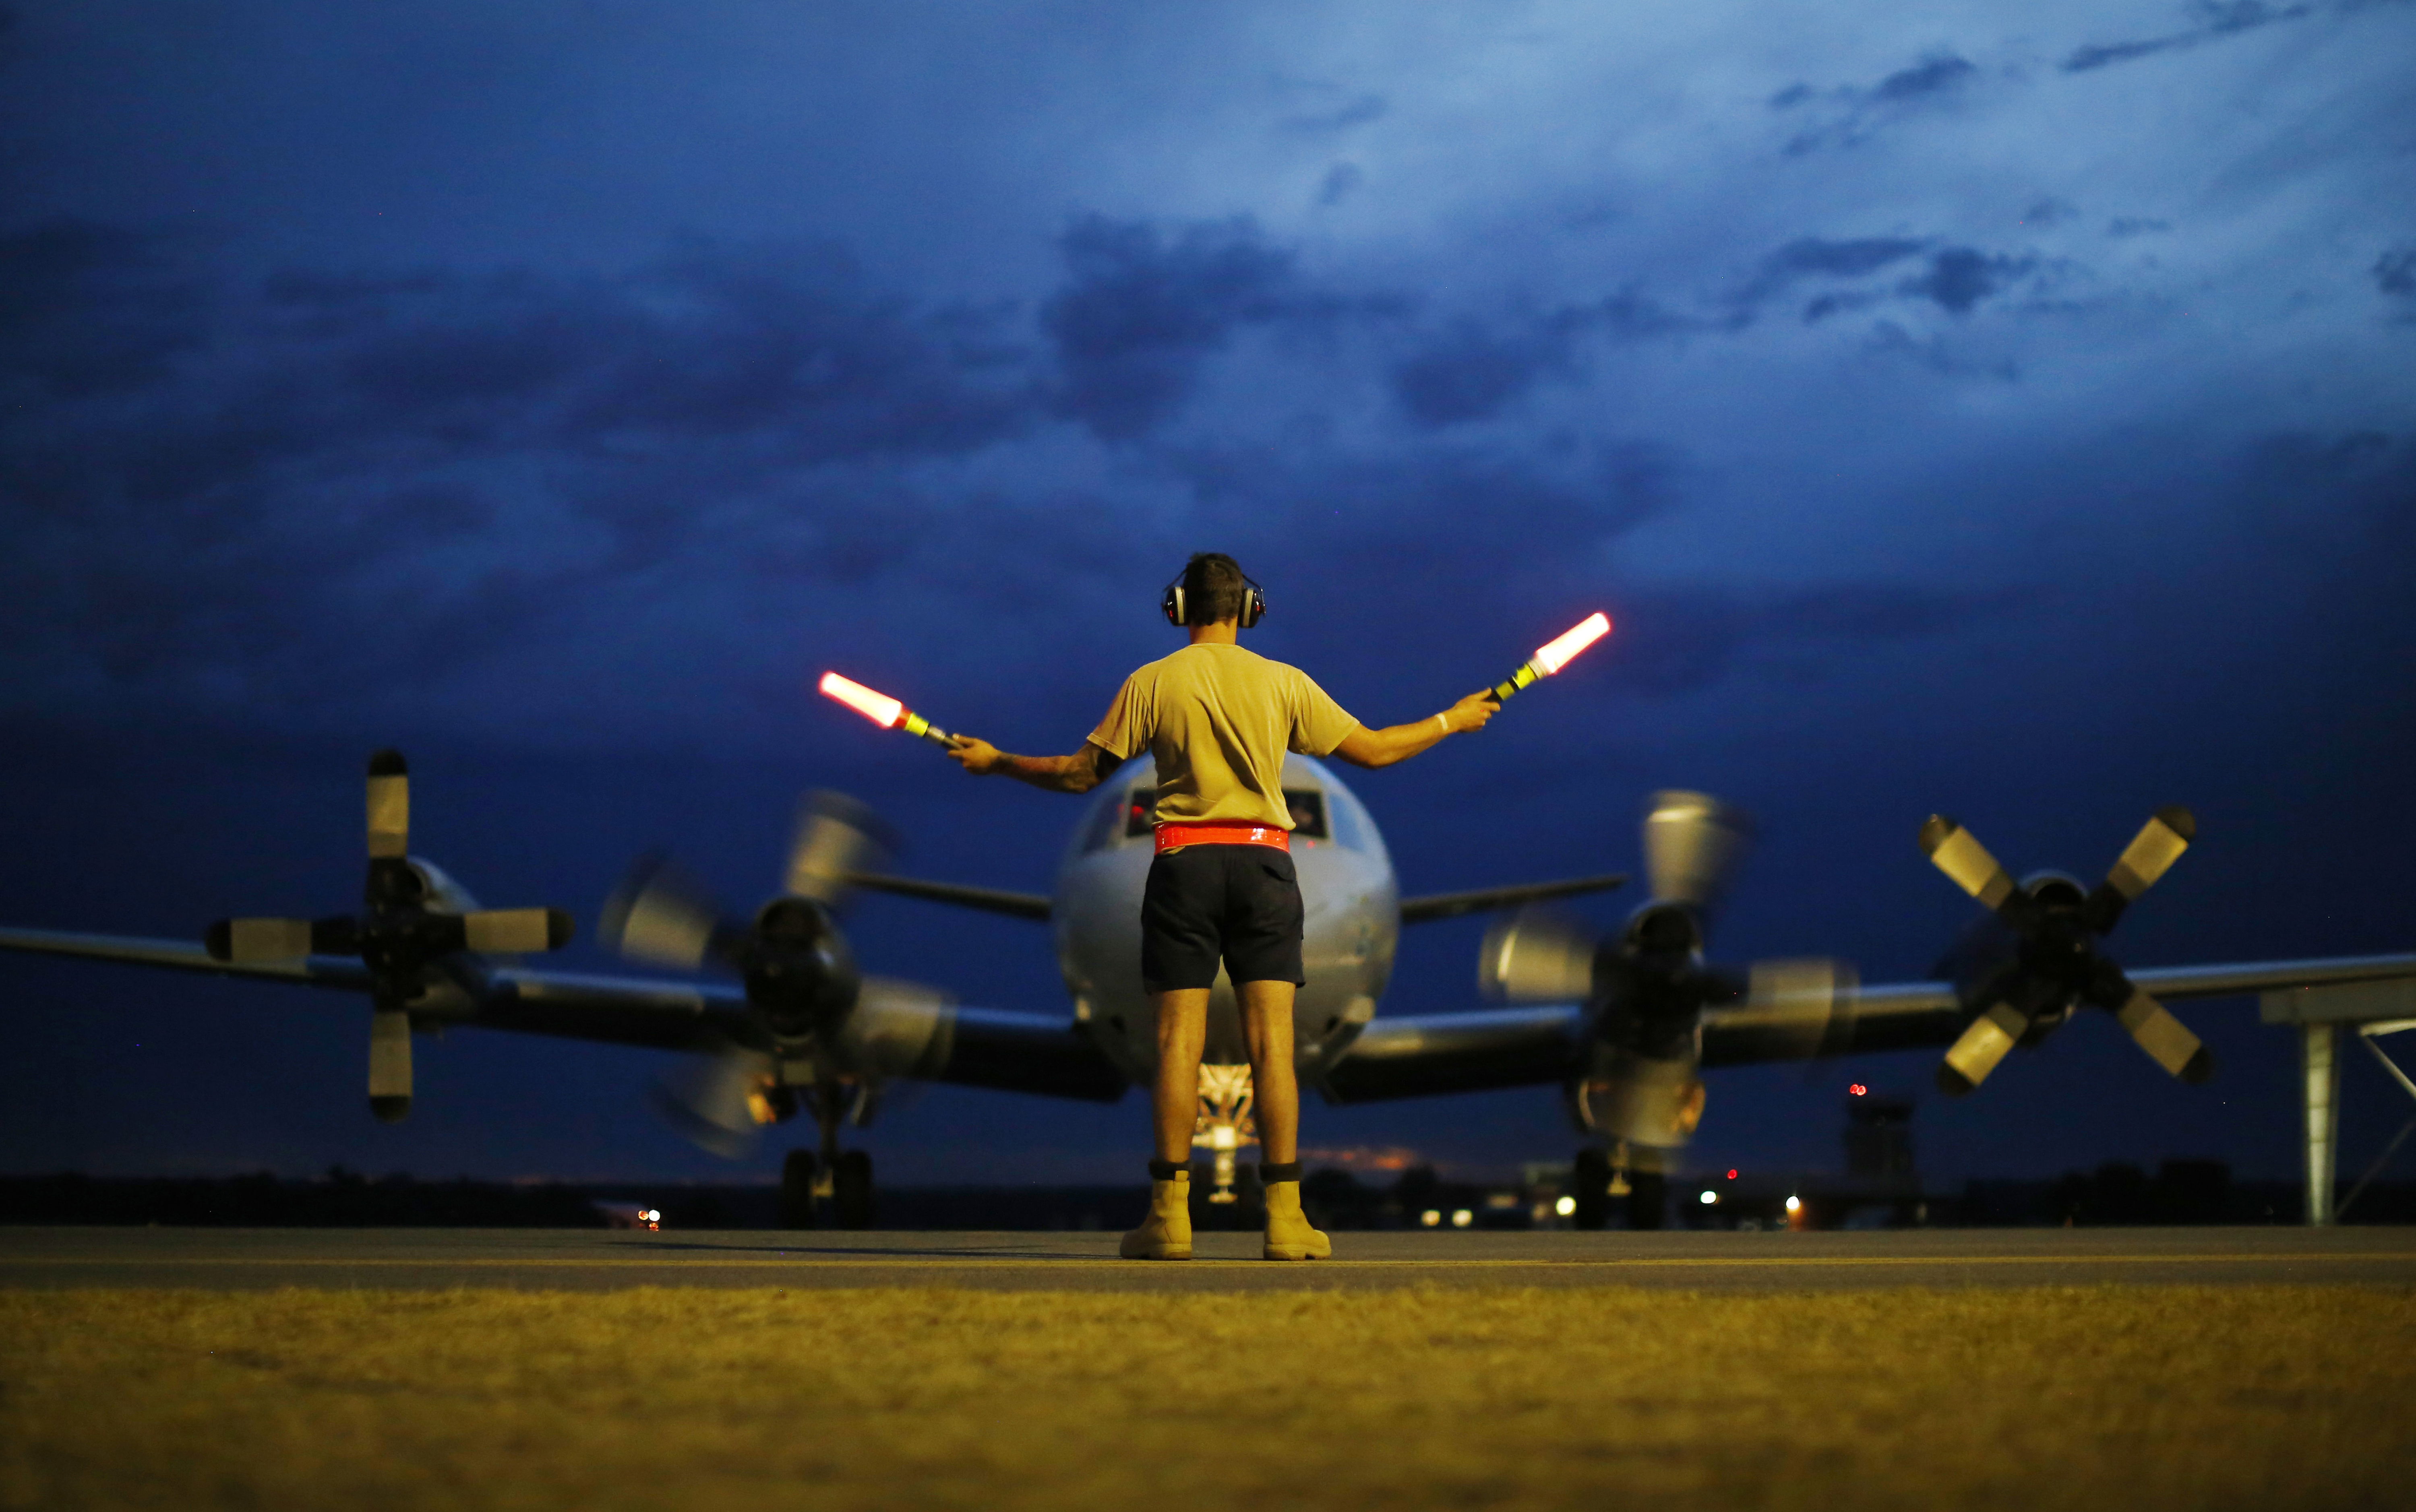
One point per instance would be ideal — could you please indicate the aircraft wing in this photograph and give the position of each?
(1917, 1015)
(185, 955)
(1452, 905)
(987, 900)
(972, 1046)
(1425, 1054)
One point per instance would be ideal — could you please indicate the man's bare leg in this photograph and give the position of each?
(1266, 1026)
(1174, 1098)
(1274, 1088)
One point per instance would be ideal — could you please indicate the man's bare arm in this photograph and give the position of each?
(1364, 747)
(1078, 773)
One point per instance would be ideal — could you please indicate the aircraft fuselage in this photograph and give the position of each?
(1352, 924)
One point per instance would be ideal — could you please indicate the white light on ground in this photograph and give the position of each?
(1565, 1206)
(1461, 1217)
(1430, 1218)
(1794, 1205)
(1710, 1197)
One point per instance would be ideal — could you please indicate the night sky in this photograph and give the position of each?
(2006, 411)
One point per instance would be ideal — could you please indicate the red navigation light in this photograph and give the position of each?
(1732, 1173)
(1552, 657)
(1857, 1089)
(879, 708)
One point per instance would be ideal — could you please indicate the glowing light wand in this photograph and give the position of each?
(1551, 657)
(883, 711)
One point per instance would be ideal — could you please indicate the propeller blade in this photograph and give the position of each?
(1966, 862)
(2151, 854)
(1807, 1006)
(1537, 956)
(2166, 1040)
(246, 940)
(389, 1064)
(1692, 842)
(389, 805)
(719, 1103)
(516, 931)
(660, 915)
(1975, 1054)
(835, 837)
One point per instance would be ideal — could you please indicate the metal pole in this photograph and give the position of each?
(2320, 1081)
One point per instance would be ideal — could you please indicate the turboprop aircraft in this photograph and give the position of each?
(1624, 1023)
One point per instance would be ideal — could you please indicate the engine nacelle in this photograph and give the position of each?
(800, 972)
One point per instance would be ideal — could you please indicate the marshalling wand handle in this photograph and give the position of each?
(914, 724)
(1526, 677)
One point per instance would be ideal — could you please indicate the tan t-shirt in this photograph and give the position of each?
(1218, 720)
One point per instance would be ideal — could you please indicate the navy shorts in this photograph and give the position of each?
(1238, 903)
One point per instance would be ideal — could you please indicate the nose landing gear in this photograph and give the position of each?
(1601, 1176)
(842, 1179)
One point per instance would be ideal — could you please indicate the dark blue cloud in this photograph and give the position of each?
(2216, 19)
(1849, 115)
(1142, 314)
(353, 460)
(1358, 111)
(1961, 276)
(1471, 373)
(1931, 76)
(87, 308)
(1812, 257)
(2394, 272)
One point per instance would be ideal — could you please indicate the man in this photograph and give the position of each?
(1218, 720)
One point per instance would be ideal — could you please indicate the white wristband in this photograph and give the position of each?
(1444, 719)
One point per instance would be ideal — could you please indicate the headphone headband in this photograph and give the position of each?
(1176, 603)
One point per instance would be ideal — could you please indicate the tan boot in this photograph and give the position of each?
(1289, 1235)
(1166, 1233)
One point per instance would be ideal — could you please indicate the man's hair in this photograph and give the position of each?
(1212, 586)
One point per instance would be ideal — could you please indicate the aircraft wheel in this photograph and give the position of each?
(797, 1190)
(1648, 1199)
(1589, 1183)
(852, 1190)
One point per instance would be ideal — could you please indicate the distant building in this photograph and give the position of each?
(1879, 1140)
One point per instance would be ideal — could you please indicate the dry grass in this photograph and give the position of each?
(2139, 1397)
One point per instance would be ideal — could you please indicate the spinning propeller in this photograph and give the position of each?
(1651, 978)
(2056, 962)
(801, 977)
(398, 936)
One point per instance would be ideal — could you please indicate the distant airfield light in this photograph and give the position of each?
(1553, 655)
(1565, 1206)
(1461, 1217)
(882, 709)
(1731, 1173)
(1795, 1204)
(1430, 1218)
(1857, 1089)
(1710, 1197)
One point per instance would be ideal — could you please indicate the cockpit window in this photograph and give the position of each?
(1307, 813)
(1350, 831)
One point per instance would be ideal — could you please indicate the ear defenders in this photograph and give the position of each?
(1174, 605)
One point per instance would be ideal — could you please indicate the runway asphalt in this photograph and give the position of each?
(575, 1259)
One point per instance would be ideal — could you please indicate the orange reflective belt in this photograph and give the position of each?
(1171, 836)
